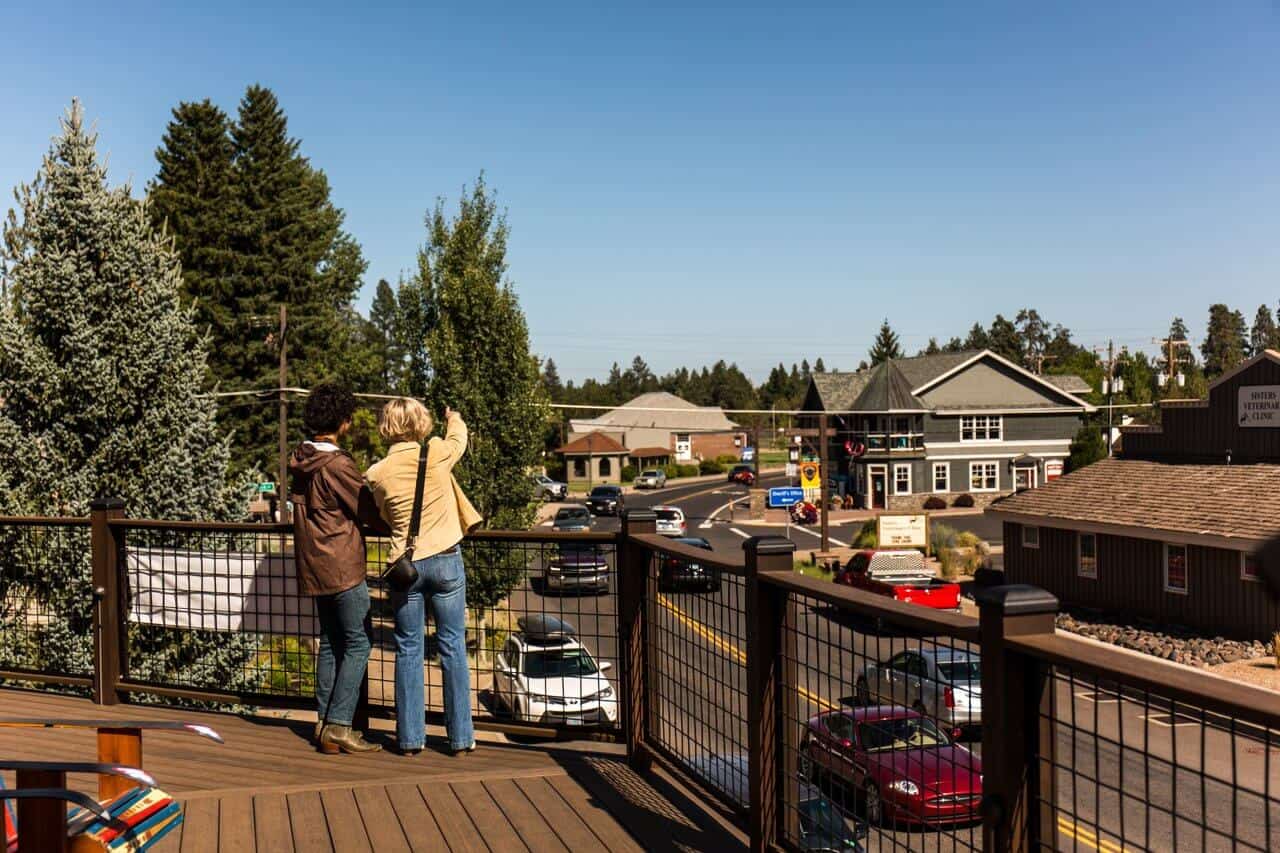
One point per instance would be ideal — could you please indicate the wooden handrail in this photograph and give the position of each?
(666, 545)
(44, 520)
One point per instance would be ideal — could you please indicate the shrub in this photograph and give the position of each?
(672, 470)
(965, 500)
(941, 537)
(708, 466)
(629, 473)
(967, 539)
(947, 564)
(935, 502)
(687, 470)
(867, 537)
(727, 459)
(555, 469)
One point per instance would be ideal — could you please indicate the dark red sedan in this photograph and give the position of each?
(903, 767)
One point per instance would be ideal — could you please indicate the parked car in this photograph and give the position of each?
(944, 684)
(574, 519)
(606, 500)
(676, 573)
(670, 520)
(654, 478)
(547, 489)
(902, 766)
(544, 674)
(900, 575)
(579, 566)
(743, 474)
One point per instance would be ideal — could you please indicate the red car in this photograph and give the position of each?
(903, 767)
(742, 474)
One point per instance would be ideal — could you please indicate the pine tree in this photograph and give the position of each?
(101, 369)
(1225, 341)
(1263, 336)
(932, 347)
(478, 345)
(551, 382)
(1033, 334)
(954, 345)
(818, 366)
(1003, 339)
(886, 345)
(977, 339)
(384, 316)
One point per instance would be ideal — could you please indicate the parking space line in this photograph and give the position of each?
(1094, 696)
(1173, 721)
(740, 533)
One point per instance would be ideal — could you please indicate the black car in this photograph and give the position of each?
(572, 519)
(606, 500)
(678, 573)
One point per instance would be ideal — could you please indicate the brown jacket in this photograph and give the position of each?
(330, 504)
(447, 515)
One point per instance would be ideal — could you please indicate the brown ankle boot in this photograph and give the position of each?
(335, 739)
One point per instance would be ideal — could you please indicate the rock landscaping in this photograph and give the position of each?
(1182, 646)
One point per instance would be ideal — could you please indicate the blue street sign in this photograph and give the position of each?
(748, 454)
(785, 496)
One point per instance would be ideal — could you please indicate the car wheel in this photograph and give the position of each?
(862, 693)
(873, 806)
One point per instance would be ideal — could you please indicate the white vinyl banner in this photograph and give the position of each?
(218, 591)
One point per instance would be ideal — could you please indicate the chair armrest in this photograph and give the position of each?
(141, 725)
(82, 800)
(137, 775)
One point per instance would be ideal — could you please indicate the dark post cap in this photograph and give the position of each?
(99, 504)
(1018, 599)
(769, 545)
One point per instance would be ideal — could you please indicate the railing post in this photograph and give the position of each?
(633, 583)
(1017, 790)
(110, 650)
(770, 746)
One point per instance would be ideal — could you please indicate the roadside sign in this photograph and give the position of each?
(793, 454)
(792, 469)
(748, 454)
(809, 476)
(785, 496)
(902, 531)
(266, 487)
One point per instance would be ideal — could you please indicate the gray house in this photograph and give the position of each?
(945, 425)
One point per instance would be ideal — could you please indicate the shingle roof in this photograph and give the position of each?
(1070, 383)
(1227, 501)
(594, 443)
(686, 418)
(888, 390)
(649, 452)
(839, 391)
(925, 368)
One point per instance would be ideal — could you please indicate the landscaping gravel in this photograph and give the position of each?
(1171, 643)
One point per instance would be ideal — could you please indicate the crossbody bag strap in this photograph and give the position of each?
(415, 518)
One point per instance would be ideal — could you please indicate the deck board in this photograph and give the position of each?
(380, 820)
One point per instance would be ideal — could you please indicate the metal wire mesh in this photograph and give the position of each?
(46, 596)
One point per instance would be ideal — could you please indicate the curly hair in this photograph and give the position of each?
(329, 406)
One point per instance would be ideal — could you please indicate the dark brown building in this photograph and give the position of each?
(1166, 531)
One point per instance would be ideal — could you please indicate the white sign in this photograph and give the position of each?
(792, 468)
(902, 531)
(1259, 406)
(219, 591)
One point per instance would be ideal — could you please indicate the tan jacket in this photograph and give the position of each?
(447, 515)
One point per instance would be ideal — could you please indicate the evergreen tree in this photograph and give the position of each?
(932, 348)
(818, 366)
(384, 316)
(1089, 446)
(1003, 339)
(1225, 342)
(1263, 336)
(551, 382)
(886, 345)
(101, 368)
(1034, 337)
(954, 345)
(978, 338)
(478, 345)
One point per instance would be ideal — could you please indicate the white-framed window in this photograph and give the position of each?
(1087, 555)
(1249, 568)
(1175, 569)
(981, 427)
(1030, 536)
(984, 476)
(942, 476)
(902, 479)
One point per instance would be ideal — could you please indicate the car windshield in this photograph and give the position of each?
(961, 669)
(604, 491)
(649, 474)
(570, 663)
(667, 514)
(900, 733)
(576, 512)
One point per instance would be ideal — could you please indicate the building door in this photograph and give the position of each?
(879, 476)
(1024, 477)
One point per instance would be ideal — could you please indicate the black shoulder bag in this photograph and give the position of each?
(401, 574)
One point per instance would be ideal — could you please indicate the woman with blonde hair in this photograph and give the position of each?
(446, 517)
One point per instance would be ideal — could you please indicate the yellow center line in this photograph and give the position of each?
(712, 638)
(1078, 833)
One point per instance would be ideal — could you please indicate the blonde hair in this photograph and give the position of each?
(404, 419)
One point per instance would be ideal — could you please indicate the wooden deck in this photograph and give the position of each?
(265, 789)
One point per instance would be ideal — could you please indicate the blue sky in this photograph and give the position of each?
(754, 182)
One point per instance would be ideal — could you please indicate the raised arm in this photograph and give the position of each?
(454, 444)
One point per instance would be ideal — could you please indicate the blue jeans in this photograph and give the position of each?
(442, 583)
(344, 652)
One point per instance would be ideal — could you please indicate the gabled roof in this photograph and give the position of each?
(1265, 355)
(837, 392)
(1068, 382)
(659, 410)
(649, 452)
(1017, 368)
(592, 444)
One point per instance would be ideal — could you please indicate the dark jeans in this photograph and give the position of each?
(344, 652)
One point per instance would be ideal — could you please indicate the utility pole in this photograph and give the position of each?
(282, 487)
(824, 451)
(1170, 346)
(1040, 359)
(1111, 384)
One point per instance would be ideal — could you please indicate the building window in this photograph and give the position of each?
(902, 479)
(1087, 555)
(984, 476)
(579, 467)
(1175, 569)
(1030, 536)
(606, 467)
(981, 427)
(941, 476)
(1249, 568)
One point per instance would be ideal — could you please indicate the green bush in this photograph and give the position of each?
(708, 466)
(941, 537)
(727, 459)
(867, 536)
(687, 470)
(555, 469)
(672, 471)
(629, 473)
(967, 539)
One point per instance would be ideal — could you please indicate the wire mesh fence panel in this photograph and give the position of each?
(46, 596)
(1133, 769)
(880, 733)
(696, 686)
(541, 631)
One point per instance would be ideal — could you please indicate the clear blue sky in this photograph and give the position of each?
(760, 183)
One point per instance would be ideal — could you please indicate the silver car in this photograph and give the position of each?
(547, 489)
(651, 479)
(944, 684)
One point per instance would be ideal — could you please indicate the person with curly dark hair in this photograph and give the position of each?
(331, 507)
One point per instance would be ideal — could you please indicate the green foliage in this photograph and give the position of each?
(101, 368)
(886, 345)
(941, 537)
(867, 536)
(364, 443)
(710, 466)
(1087, 447)
(629, 473)
(1226, 341)
(687, 470)
(672, 470)
(727, 459)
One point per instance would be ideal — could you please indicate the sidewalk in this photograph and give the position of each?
(837, 517)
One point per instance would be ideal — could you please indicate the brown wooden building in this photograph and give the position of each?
(1167, 530)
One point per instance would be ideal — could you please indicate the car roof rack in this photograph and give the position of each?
(543, 627)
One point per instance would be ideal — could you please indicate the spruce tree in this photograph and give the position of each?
(551, 382)
(1263, 336)
(978, 338)
(886, 345)
(384, 317)
(1225, 341)
(1003, 339)
(101, 369)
